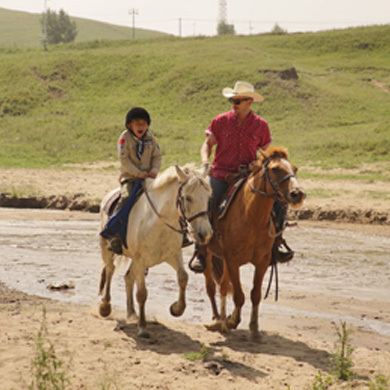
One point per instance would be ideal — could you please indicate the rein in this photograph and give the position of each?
(276, 196)
(183, 220)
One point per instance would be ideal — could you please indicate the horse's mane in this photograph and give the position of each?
(271, 152)
(169, 176)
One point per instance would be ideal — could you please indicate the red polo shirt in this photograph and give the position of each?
(236, 144)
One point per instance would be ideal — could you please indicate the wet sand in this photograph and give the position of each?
(340, 273)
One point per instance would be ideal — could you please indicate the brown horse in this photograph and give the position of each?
(246, 235)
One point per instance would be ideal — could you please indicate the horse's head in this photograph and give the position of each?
(279, 175)
(192, 200)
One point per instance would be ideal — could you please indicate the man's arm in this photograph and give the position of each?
(265, 146)
(207, 147)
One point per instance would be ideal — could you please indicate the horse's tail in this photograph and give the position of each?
(217, 268)
(218, 265)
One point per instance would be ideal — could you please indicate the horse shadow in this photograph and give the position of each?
(166, 341)
(277, 345)
(162, 340)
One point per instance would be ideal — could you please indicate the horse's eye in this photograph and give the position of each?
(188, 199)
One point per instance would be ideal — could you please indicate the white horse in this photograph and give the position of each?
(154, 235)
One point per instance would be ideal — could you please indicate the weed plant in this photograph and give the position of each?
(49, 372)
(342, 356)
(203, 354)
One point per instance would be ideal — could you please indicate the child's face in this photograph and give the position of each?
(139, 127)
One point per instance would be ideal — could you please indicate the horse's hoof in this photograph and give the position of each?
(105, 309)
(176, 309)
(143, 333)
(217, 326)
(232, 323)
(132, 318)
(255, 335)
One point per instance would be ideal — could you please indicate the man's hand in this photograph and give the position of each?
(143, 175)
(152, 174)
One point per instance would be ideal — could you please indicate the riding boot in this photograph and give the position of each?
(281, 252)
(198, 260)
(116, 245)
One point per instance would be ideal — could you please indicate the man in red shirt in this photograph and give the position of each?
(237, 135)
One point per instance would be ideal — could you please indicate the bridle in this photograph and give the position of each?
(274, 185)
(184, 221)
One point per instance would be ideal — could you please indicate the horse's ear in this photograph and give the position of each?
(262, 153)
(182, 176)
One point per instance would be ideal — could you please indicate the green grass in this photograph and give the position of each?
(68, 105)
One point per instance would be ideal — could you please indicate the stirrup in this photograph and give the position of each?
(197, 263)
(186, 241)
(279, 256)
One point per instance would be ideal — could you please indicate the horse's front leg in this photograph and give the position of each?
(105, 278)
(210, 284)
(142, 295)
(177, 308)
(238, 296)
(129, 280)
(258, 276)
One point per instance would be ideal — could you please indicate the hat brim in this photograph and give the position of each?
(229, 92)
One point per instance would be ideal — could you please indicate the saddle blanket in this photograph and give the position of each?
(228, 198)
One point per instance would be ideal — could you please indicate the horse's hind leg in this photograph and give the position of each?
(177, 308)
(220, 324)
(105, 279)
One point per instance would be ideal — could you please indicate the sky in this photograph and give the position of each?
(200, 17)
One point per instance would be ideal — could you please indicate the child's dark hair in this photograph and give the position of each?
(138, 113)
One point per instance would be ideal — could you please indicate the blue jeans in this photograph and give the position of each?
(219, 187)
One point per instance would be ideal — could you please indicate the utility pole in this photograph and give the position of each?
(222, 11)
(45, 24)
(133, 12)
(180, 27)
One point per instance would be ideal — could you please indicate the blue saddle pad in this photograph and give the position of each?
(117, 224)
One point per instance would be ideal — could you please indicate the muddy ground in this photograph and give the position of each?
(341, 273)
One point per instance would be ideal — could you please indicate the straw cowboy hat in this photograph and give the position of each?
(244, 89)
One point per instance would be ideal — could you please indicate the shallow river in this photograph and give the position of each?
(340, 264)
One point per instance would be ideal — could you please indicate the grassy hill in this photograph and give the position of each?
(327, 95)
(24, 29)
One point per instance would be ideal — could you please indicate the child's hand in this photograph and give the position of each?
(152, 174)
(143, 175)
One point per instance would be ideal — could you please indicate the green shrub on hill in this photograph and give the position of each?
(326, 95)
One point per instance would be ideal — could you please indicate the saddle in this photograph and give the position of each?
(109, 207)
(228, 197)
(117, 223)
(235, 180)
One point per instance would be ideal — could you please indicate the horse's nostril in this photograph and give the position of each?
(200, 237)
(297, 195)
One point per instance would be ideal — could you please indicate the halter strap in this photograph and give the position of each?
(274, 185)
(183, 220)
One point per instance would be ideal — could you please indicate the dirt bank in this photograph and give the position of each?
(78, 188)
